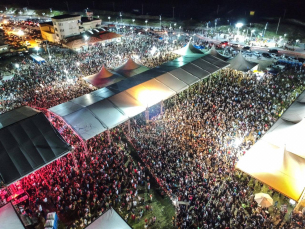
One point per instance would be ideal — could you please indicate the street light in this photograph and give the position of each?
(109, 19)
(121, 17)
(160, 22)
(17, 66)
(37, 48)
(133, 20)
(252, 31)
(239, 25)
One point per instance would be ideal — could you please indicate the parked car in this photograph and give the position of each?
(246, 48)
(224, 43)
(273, 51)
(274, 56)
(235, 45)
(266, 55)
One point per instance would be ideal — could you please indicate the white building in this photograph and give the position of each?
(66, 25)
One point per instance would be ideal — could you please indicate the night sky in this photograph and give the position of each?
(184, 9)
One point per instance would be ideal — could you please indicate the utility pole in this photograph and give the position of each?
(113, 4)
(67, 4)
(278, 25)
(142, 8)
(284, 13)
(173, 12)
(217, 9)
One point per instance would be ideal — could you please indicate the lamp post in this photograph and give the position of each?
(133, 20)
(252, 31)
(239, 25)
(109, 18)
(37, 48)
(121, 17)
(146, 26)
(160, 23)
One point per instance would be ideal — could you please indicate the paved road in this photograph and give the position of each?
(298, 53)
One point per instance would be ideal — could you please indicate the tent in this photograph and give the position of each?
(239, 63)
(110, 220)
(189, 50)
(107, 107)
(130, 68)
(28, 141)
(278, 158)
(103, 78)
(9, 218)
(264, 64)
(214, 52)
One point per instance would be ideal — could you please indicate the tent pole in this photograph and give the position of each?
(161, 108)
(108, 135)
(147, 115)
(128, 125)
(199, 86)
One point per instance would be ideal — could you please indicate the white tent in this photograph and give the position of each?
(130, 68)
(103, 78)
(214, 52)
(188, 50)
(239, 63)
(109, 220)
(278, 158)
(9, 218)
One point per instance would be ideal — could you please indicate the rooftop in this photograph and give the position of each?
(85, 19)
(46, 23)
(63, 16)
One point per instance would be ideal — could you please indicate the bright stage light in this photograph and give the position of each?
(239, 25)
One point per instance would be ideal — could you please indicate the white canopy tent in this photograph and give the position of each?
(109, 220)
(108, 107)
(9, 218)
(189, 50)
(278, 158)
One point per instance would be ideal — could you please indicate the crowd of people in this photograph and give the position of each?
(60, 79)
(97, 175)
(193, 147)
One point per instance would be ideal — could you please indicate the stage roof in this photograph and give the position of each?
(9, 218)
(110, 220)
(278, 158)
(28, 144)
(106, 108)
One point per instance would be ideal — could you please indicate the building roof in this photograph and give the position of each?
(63, 16)
(86, 19)
(46, 23)
(28, 141)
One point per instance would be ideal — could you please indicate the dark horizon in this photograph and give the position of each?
(192, 9)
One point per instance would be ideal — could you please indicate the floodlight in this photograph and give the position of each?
(238, 25)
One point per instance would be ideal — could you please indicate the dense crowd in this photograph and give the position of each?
(193, 147)
(81, 186)
(60, 79)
